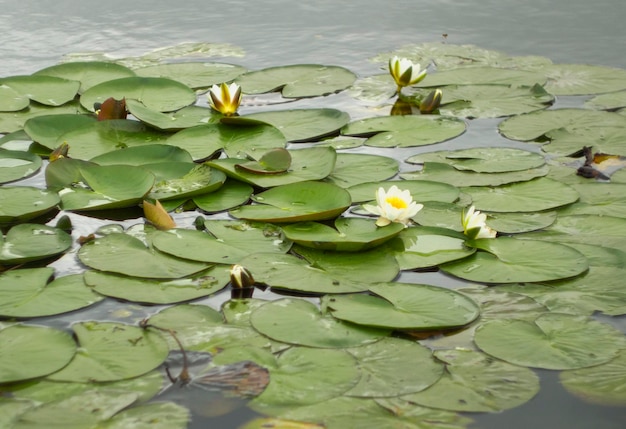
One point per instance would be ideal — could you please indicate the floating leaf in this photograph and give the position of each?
(484, 160)
(14, 121)
(30, 242)
(405, 131)
(231, 194)
(515, 223)
(276, 320)
(509, 260)
(473, 382)
(581, 79)
(11, 100)
(15, 165)
(405, 306)
(297, 81)
(30, 293)
(112, 351)
(274, 161)
(200, 246)
(196, 75)
(302, 201)
(610, 101)
(533, 195)
(249, 236)
(88, 73)
(348, 235)
(22, 203)
(33, 351)
(388, 368)
(355, 168)
(552, 341)
(144, 155)
(481, 75)
(46, 129)
(123, 254)
(46, 90)
(197, 180)
(161, 94)
(186, 117)
(156, 415)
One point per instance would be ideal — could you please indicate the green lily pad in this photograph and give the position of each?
(581, 79)
(145, 155)
(515, 223)
(606, 199)
(156, 415)
(276, 320)
(196, 75)
(30, 242)
(161, 94)
(302, 125)
(482, 75)
(200, 246)
(15, 165)
(31, 293)
(21, 203)
(610, 101)
(107, 187)
(237, 141)
(121, 253)
(509, 260)
(231, 194)
(552, 341)
(186, 117)
(405, 131)
(348, 235)
(46, 90)
(33, 351)
(298, 80)
(439, 172)
(404, 306)
(424, 247)
(158, 291)
(473, 382)
(198, 180)
(388, 368)
(484, 160)
(355, 168)
(601, 384)
(88, 73)
(302, 201)
(112, 351)
(314, 163)
(14, 121)
(534, 195)
(91, 140)
(249, 236)
(12, 100)
(274, 161)
(421, 190)
(47, 129)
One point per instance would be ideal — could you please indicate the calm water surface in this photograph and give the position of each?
(37, 33)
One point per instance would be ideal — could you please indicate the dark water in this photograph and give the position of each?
(37, 33)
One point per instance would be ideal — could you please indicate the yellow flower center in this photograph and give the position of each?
(397, 202)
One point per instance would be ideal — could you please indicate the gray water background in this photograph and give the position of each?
(37, 33)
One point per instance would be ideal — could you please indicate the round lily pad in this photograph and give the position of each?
(484, 160)
(302, 201)
(231, 194)
(21, 203)
(186, 117)
(515, 223)
(196, 75)
(11, 100)
(46, 129)
(552, 341)
(249, 236)
(276, 320)
(15, 165)
(484, 75)
(46, 90)
(298, 80)
(355, 168)
(156, 415)
(144, 155)
(161, 94)
(581, 79)
(88, 73)
(30, 293)
(348, 235)
(30, 242)
(200, 246)
(14, 121)
(113, 351)
(473, 382)
(33, 351)
(197, 180)
(405, 131)
(509, 260)
(406, 307)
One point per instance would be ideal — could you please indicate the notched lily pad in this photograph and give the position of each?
(22, 203)
(30, 242)
(15, 165)
(274, 161)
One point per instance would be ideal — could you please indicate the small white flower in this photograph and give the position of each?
(225, 98)
(405, 72)
(474, 225)
(393, 206)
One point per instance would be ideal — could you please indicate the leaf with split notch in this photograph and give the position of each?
(274, 161)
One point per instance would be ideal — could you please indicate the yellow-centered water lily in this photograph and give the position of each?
(405, 72)
(225, 98)
(394, 205)
(474, 225)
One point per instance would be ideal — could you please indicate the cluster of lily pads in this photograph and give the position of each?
(534, 229)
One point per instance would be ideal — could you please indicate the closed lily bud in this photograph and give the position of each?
(240, 277)
(431, 102)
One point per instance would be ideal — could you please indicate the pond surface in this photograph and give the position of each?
(37, 34)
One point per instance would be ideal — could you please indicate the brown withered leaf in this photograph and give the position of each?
(158, 216)
(112, 109)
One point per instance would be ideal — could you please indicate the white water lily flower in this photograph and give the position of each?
(393, 206)
(405, 72)
(474, 225)
(225, 98)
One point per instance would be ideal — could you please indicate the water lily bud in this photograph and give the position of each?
(474, 226)
(431, 102)
(240, 277)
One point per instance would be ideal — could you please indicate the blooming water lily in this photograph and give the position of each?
(405, 72)
(394, 205)
(225, 98)
(474, 225)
